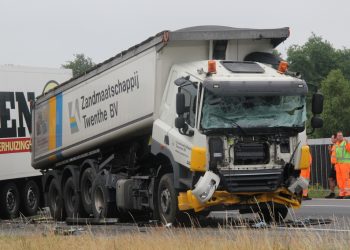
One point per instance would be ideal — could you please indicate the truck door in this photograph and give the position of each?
(180, 144)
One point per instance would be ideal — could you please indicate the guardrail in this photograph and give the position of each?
(321, 165)
(321, 162)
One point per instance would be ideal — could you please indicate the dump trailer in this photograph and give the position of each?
(20, 184)
(193, 120)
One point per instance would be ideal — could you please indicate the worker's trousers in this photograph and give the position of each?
(343, 178)
(306, 174)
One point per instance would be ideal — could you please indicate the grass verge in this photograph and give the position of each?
(317, 191)
(185, 238)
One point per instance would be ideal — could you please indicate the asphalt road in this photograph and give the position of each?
(336, 211)
(315, 208)
(325, 208)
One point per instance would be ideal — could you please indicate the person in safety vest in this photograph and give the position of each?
(333, 174)
(342, 167)
(305, 173)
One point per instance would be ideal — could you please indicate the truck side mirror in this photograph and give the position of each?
(316, 122)
(317, 103)
(194, 106)
(180, 103)
(180, 122)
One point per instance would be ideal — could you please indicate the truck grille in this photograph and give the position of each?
(251, 153)
(251, 180)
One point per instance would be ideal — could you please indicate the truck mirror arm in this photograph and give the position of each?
(185, 131)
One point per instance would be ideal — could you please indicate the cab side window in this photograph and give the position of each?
(190, 102)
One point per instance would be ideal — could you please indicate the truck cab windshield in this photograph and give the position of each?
(252, 111)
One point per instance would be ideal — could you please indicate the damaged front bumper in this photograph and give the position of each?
(205, 195)
(187, 200)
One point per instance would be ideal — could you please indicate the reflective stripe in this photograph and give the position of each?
(52, 123)
(55, 123)
(59, 120)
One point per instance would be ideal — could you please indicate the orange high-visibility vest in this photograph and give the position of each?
(333, 154)
(342, 153)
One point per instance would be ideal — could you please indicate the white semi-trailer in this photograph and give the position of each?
(20, 184)
(192, 120)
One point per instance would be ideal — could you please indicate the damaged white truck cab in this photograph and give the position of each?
(240, 130)
(197, 119)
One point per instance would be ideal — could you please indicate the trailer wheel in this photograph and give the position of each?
(101, 206)
(167, 205)
(273, 213)
(71, 197)
(30, 197)
(55, 201)
(9, 201)
(86, 189)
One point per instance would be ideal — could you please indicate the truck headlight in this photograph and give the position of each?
(298, 185)
(205, 194)
(206, 186)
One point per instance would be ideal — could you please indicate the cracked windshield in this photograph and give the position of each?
(252, 111)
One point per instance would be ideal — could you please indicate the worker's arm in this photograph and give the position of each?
(333, 156)
(347, 145)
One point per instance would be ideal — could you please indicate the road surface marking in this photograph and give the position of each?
(321, 199)
(315, 229)
(340, 206)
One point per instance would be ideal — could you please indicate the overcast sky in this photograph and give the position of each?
(48, 32)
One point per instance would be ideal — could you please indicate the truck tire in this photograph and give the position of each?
(72, 201)
(274, 213)
(30, 198)
(167, 205)
(86, 189)
(55, 201)
(101, 207)
(9, 201)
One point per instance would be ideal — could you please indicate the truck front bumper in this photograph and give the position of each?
(187, 200)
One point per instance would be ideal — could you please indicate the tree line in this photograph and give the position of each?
(325, 69)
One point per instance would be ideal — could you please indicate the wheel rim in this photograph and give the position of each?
(87, 191)
(71, 198)
(54, 198)
(31, 198)
(11, 199)
(99, 200)
(165, 201)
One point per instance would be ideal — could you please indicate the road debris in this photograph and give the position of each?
(74, 231)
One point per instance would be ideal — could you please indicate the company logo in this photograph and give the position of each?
(15, 121)
(74, 116)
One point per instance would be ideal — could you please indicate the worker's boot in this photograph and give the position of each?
(306, 198)
(330, 196)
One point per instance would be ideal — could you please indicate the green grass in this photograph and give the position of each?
(317, 191)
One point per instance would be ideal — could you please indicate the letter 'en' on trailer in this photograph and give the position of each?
(19, 86)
